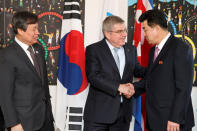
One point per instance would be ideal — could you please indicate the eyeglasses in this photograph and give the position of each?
(119, 31)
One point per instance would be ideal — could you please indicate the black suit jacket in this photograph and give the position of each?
(24, 95)
(168, 86)
(103, 100)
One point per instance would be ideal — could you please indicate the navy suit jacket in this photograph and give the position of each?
(168, 85)
(103, 100)
(24, 94)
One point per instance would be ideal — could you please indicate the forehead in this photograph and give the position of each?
(32, 25)
(145, 24)
(119, 26)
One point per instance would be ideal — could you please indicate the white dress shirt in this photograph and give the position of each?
(25, 47)
(162, 43)
(121, 55)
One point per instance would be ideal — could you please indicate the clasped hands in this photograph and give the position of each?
(127, 90)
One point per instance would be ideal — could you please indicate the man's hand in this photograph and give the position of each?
(17, 128)
(126, 89)
(172, 126)
(131, 91)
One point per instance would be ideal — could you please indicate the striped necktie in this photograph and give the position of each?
(33, 56)
(116, 58)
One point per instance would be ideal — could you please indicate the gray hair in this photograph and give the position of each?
(110, 21)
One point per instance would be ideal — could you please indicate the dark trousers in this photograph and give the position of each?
(180, 129)
(2, 128)
(48, 123)
(190, 129)
(119, 125)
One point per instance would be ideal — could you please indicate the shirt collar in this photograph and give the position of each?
(111, 47)
(23, 45)
(162, 43)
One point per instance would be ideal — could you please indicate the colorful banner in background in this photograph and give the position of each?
(71, 81)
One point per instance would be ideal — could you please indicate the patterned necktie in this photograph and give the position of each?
(33, 56)
(156, 53)
(116, 58)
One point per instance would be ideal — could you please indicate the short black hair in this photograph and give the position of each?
(154, 17)
(22, 19)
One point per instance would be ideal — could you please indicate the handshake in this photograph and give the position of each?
(127, 90)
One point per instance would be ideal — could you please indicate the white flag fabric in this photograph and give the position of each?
(97, 12)
(72, 84)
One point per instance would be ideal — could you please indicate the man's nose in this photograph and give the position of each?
(37, 32)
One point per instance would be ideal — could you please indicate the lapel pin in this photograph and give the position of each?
(160, 62)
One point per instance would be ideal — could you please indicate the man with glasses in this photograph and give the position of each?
(110, 66)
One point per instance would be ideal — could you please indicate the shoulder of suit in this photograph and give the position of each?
(97, 44)
(9, 49)
(129, 45)
(179, 42)
(7, 53)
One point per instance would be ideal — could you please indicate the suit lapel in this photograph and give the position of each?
(151, 57)
(109, 56)
(39, 59)
(21, 53)
(126, 51)
(162, 53)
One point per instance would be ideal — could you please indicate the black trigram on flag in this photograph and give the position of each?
(74, 117)
(71, 9)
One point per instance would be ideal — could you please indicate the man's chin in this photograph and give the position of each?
(151, 43)
(35, 41)
(123, 43)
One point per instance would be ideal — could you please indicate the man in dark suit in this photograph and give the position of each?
(24, 92)
(168, 82)
(111, 65)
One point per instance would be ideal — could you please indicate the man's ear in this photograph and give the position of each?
(107, 34)
(20, 31)
(157, 27)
